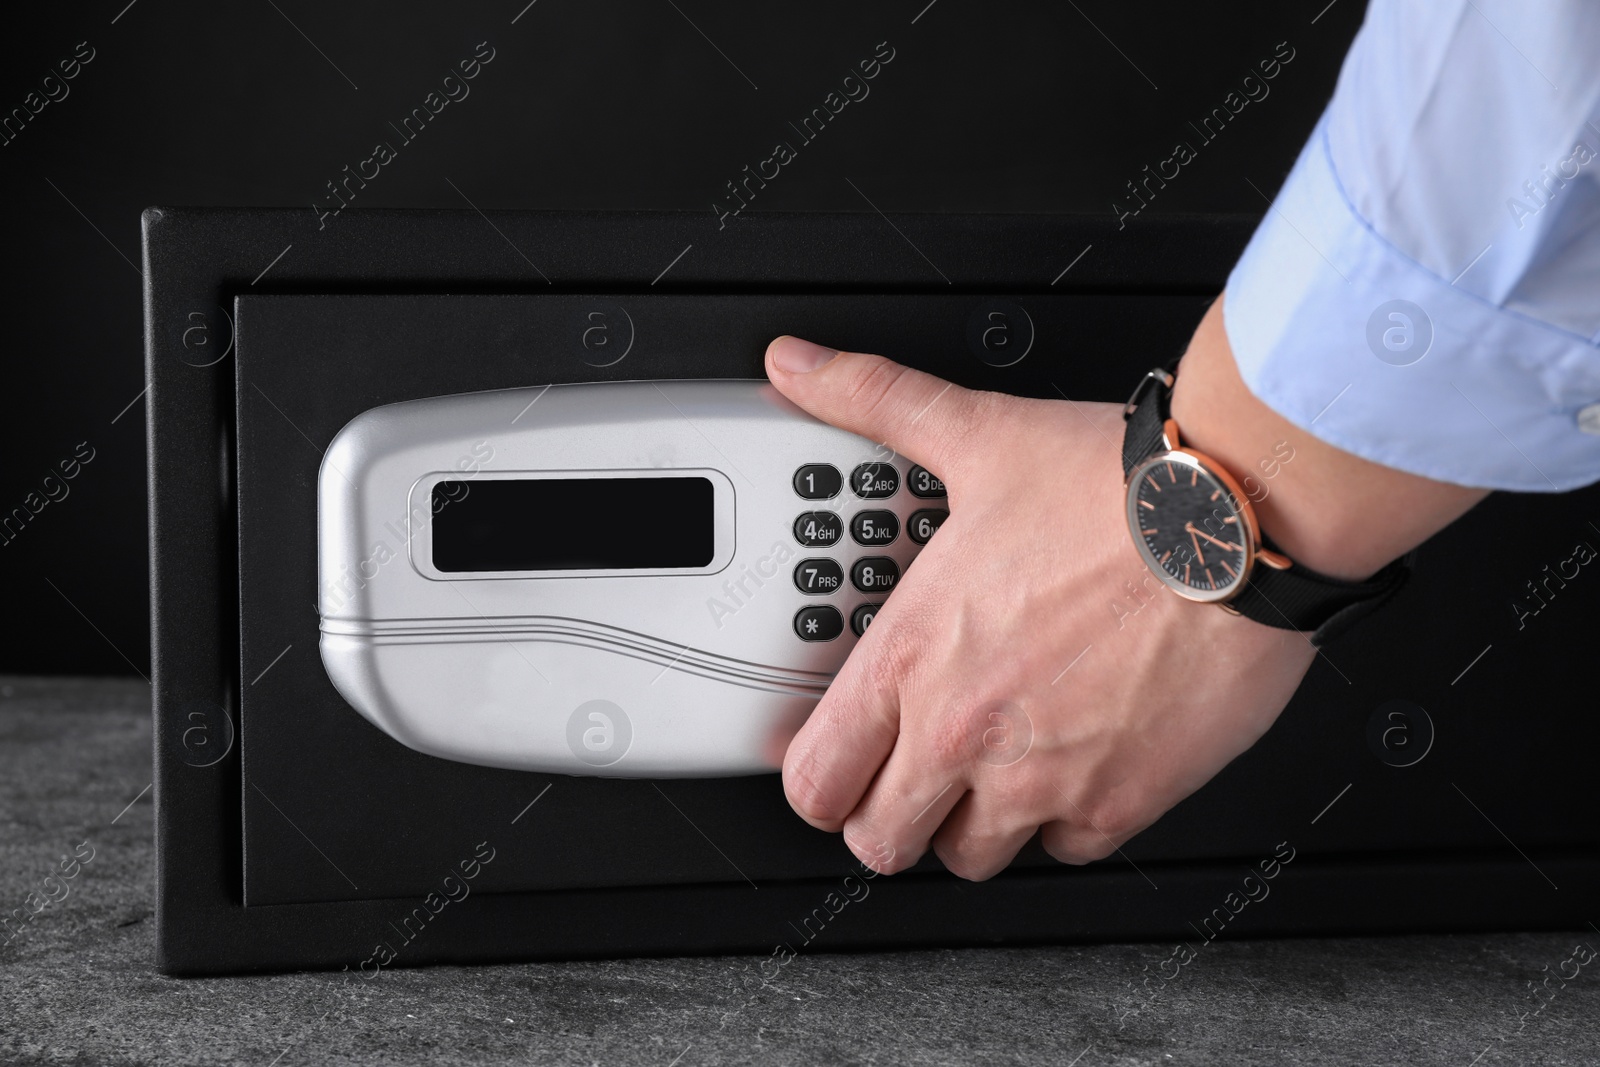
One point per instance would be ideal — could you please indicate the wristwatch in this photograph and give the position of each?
(1196, 530)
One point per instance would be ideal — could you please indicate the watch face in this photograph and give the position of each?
(1189, 527)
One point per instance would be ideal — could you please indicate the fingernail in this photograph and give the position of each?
(795, 356)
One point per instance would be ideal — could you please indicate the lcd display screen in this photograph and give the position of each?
(561, 524)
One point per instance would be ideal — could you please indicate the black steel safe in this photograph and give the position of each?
(1433, 772)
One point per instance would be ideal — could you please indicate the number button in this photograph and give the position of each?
(924, 483)
(875, 574)
(818, 481)
(874, 481)
(818, 529)
(818, 577)
(925, 523)
(820, 623)
(862, 617)
(874, 528)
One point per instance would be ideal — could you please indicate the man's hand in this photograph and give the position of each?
(1028, 671)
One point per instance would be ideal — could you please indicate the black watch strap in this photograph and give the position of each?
(1146, 414)
(1294, 599)
(1301, 599)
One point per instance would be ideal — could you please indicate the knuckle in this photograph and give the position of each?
(875, 850)
(874, 385)
(894, 659)
(1074, 843)
(809, 799)
(977, 413)
(970, 731)
(1069, 850)
(969, 860)
(950, 741)
(1098, 850)
(1115, 815)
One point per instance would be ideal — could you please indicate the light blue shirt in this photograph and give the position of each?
(1425, 291)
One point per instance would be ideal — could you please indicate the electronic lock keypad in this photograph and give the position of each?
(630, 579)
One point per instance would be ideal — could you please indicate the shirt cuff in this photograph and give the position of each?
(1353, 341)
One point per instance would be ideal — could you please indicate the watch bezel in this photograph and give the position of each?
(1239, 502)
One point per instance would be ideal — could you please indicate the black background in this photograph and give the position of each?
(1037, 106)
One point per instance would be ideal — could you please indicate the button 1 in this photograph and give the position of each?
(818, 481)
(925, 523)
(821, 623)
(862, 617)
(922, 482)
(874, 528)
(874, 481)
(875, 574)
(818, 529)
(818, 577)
(1589, 419)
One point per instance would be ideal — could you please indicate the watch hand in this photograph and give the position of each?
(1229, 545)
(1192, 531)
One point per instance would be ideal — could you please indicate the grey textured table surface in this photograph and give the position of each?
(77, 983)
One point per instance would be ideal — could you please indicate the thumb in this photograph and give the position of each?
(926, 419)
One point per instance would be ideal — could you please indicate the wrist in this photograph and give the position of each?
(1336, 513)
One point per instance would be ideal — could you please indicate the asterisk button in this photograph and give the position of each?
(820, 622)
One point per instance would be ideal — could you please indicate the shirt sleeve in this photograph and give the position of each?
(1425, 290)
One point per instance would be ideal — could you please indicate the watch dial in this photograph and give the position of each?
(1191, 526)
